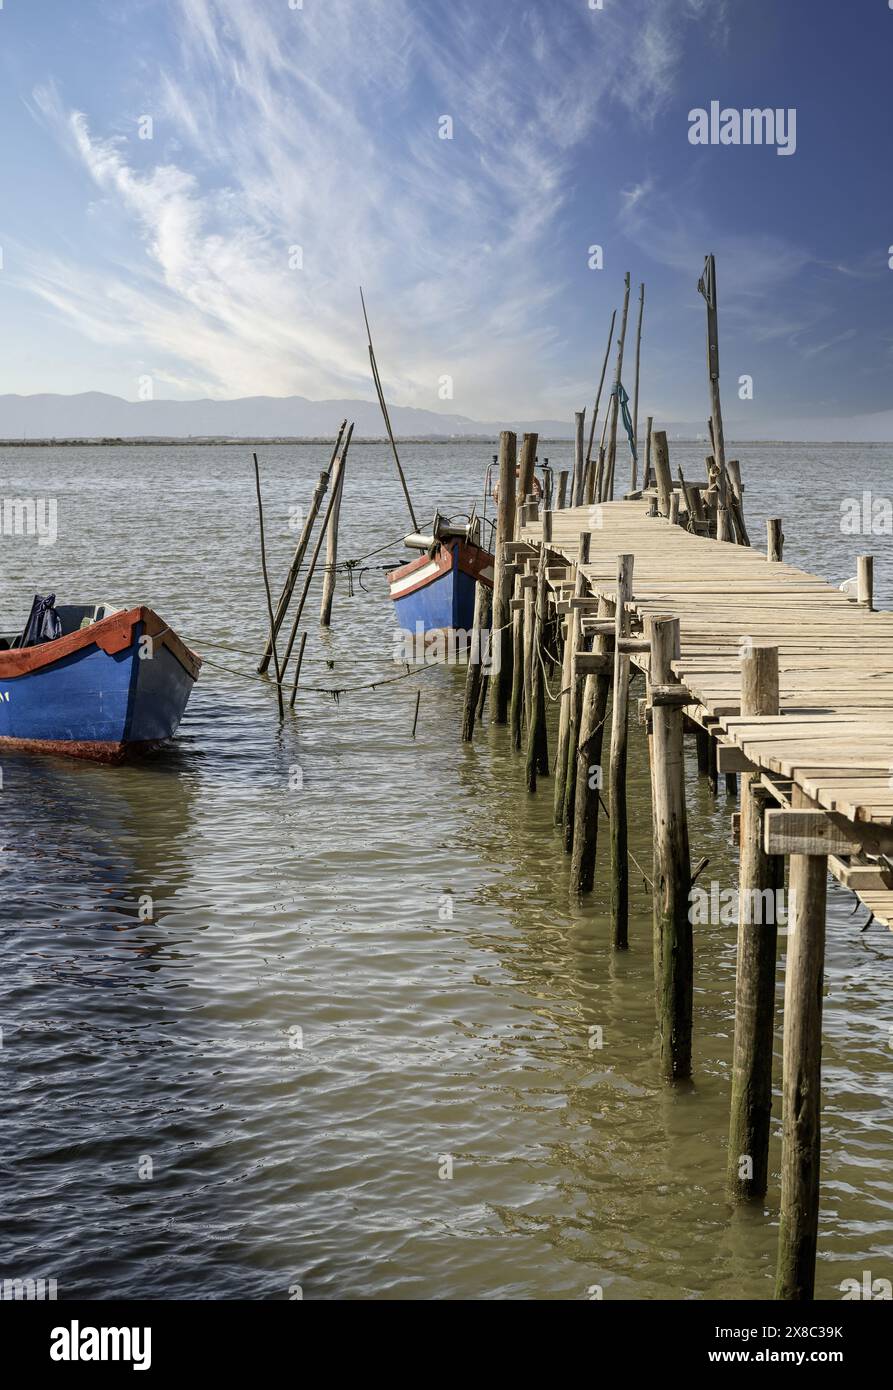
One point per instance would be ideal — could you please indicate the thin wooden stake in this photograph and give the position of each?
(311, 568)
(615, 411)
(598, 394)
(385, 416)
(418, 701)
(299, 661)
(635, 468)
(300, 551)
(263, 561)
(328, 582)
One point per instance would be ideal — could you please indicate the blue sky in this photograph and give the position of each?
(276, 127)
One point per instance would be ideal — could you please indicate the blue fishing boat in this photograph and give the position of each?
(436, 591)
(91, 681)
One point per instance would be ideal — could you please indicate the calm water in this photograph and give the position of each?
(322, 916)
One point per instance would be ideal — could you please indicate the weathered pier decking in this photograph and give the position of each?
(787, 684)
(833, 737)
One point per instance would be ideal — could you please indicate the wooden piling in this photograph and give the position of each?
(759, 874)
(537, 748)
(564, 713)
(865, 582)
(501, 678)
(774, 539)
(579, 460)
(662, 475)
(474, 675)
(649, 425)
(802, 1080)
(672, 864)
(582, 826)
(562, 488)
(617, 764)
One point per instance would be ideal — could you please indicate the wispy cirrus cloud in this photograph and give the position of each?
(308, 161)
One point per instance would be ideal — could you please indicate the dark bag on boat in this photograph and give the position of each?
(44, 624)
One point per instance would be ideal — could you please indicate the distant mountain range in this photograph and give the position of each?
(95, 415)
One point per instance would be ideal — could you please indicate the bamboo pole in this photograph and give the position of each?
(672, 878)
(617, 763)
(564, 712)
(328, 582)
(263, 561)
(300, 550)
(308, 578)
(385, 416)
(802, 1075)
(598, 394)
(501, 677)
(635, 466)
(587, 759)
(615, 413)
(299, 661)
(748, 1157)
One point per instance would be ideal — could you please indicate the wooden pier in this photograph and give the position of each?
(787, 684)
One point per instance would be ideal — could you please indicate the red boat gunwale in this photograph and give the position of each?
(472, 560)
(111, 635)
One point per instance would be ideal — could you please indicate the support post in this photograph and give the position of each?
(501, 679)
(617, 765)
(801, 1086)
(564, 715)
(579, 462)
(587, 779)
(774, 539)
(474, 676)
(760, 876)
(537, 747)
(672, 865)
(865, 582)
(562, 489)
(662, 475)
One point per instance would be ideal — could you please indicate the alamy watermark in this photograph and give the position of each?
(30, 516)
(447, 647)
(728, 125)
